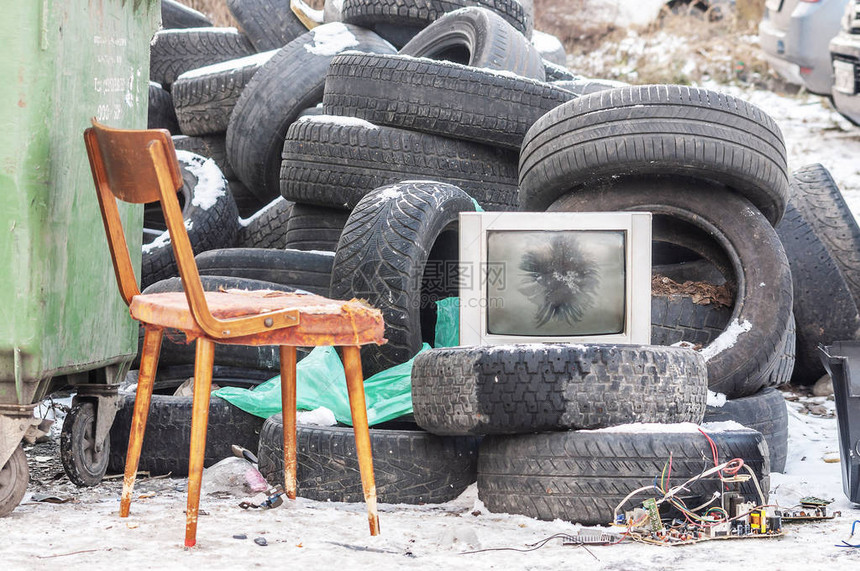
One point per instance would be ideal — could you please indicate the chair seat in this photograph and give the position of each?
(322, 321)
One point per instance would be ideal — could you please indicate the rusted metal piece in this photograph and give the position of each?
(203, 361)
(288, 405)
(358, 409)
(145, 380)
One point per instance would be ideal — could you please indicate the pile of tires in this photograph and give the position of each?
(337, 159)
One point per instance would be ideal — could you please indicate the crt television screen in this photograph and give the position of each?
(555, 282)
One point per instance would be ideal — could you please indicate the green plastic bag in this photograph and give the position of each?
(320, 381)
(447, 322)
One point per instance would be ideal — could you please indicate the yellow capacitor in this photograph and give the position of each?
(763, 519)
(755, 519)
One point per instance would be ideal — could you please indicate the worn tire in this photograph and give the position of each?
(410, 466)
(177, 15)
(204, 97)
(212, 220)
(287, 84)
(177, 352)
(477, 37)
(161, 114)
(335, 161)
(740, 360)
(640, 131)
(536, 387)
(399, 20)
(309, 271)
(315, 228)
(585, 86)
(438, 97)
(823, 305)
(269, 24)
(173, 52)
(764, 412)
(168, 434)
(267, 228)
(555, 72)
(210, 146)
(677, 318)
(396, 252)
(581, 476)
(14, 477)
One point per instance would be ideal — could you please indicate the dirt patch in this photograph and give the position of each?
(701, 293)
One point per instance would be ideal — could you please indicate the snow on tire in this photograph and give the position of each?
(173, 52)
(210, 214)
(533, 387)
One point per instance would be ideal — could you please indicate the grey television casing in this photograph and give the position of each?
(474, 230)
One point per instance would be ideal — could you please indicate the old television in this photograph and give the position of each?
(555, 277)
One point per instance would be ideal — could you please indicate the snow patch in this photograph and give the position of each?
(211, 29)
(546, 43)
(317, 417)
(390, 193)
(164, 239)
(727, 338)
(339, 121)
(245, 222)
(255, 60)
(320, 252)
(331, 39)
(680, 427)
(211, 184)
(716, 399)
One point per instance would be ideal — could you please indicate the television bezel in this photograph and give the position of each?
(474, 228)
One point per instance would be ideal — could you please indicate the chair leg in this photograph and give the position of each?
(288, 404)
(203, 361)
(358, 409)
(146, 377)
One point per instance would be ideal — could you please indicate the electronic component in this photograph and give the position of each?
(650, 506)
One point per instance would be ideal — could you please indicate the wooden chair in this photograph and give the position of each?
(141, 167)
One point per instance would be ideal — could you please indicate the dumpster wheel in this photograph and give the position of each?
(14, 477)
(84, 464)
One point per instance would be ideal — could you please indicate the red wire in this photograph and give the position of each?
(713, 447)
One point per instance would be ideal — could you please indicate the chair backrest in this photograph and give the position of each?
(140, 166)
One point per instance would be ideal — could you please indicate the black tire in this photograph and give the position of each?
(269, 24)
(173, 52)
(740, 360)
(210, 146)
(410, 466)
(549, 47)
(581, 476)
(477, 37)
(764, 412)
(438, 97)
(315, 227)
(335, 161)
(399, 20)
(677, 318)
(309, 271)
(396, 250)
(208, 208)
(14, 477)
(640, 131)
(823, 305)
(178, 15)
(176, 351)
(815, 194)
(267, 228)
(161, 114)
(204, 98)
(287, 84)
(168, 434)
(83, 465)
(555, 72)
(536, 387)
(246, 202)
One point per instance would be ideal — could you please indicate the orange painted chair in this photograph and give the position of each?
(141, 167)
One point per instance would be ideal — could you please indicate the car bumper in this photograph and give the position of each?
(846, 48)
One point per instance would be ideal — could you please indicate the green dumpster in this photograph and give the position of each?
(62, 320)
